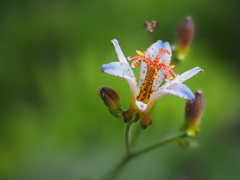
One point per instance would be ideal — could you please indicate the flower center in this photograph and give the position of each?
(153, 66)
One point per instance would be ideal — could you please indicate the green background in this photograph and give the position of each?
(53, 124)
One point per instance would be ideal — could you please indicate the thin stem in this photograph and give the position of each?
(158, 144)
(128, 132)
(114, 173)
(136, 134)
(130, 155)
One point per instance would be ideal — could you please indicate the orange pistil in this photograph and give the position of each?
(153, 66)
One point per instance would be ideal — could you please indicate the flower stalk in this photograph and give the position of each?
(128, 131)
(157, 78)
(131, 155)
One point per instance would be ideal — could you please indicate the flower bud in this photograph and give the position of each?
(184, 37)
(193, 114)
(110, 98)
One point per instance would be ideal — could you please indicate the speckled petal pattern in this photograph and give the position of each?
(122, 70)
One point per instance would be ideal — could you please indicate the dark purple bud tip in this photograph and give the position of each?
(194, 109)
(110, 98)
(185, 33)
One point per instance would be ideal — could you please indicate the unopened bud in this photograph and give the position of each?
(110, 98)
(185, 35)
(193, 114)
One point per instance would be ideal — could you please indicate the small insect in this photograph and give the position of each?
(151, 26)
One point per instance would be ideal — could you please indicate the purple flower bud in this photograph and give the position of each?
(193, 114)
(110, 98)
(185, 35)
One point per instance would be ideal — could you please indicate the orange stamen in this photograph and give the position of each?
(153, 66)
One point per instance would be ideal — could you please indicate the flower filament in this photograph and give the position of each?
(153, 66)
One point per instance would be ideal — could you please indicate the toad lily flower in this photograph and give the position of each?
(155, 67)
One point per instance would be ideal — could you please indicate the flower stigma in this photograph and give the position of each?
(153, 66)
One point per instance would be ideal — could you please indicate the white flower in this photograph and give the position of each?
(155, 67)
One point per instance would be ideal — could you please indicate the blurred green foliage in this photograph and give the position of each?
(53, 124)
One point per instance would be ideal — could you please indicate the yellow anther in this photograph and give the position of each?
(172, 66)
(166, 62)
(171, 77)
(156, 74)
(137, 64)
(168, 77)
(140, 53)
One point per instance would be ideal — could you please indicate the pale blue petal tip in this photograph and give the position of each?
(114, 41)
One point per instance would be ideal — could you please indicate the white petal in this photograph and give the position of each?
(119, 52)
(153, 49)
(183, 77)
(143, 71)
(176, 89)
(166, 58)
(141, 106)
(159, 79)
(188, 74)
(122, 70)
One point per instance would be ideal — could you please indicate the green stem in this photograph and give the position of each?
(115, 172)
(159, 144)
(136, 134)
(128, 132)
(130, 155)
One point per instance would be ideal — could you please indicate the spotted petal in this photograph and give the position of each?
(122, 70)
(143, 71)
(188, 74)
(159, 79)
(119, 52)
(153, 50)
(176, 89)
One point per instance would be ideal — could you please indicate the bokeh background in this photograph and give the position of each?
(54, 125)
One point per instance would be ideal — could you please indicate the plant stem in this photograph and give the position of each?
(128, 132)
(137, 132)
(114, 172)
(130, 155)
(159, 144)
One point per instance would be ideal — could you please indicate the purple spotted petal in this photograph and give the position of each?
(143, 71)
(152, 51)
(119, 52)
(180, 90)
(166, 57)
(188, 74)
(183, 77)
(176, 89)
(159, 79)
(122, 70)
